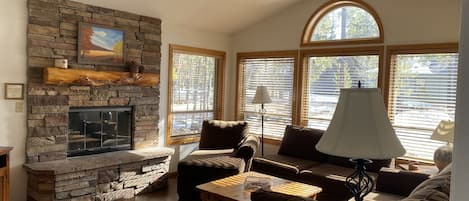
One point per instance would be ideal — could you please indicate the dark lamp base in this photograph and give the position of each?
(359, 182)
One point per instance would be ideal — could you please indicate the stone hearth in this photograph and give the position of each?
(102, 177)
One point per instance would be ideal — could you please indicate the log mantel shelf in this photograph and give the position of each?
(61, 76)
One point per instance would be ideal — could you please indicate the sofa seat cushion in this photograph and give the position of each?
(300, 142)
(380, 196)
(282, 166)
(375, 166)
(217, 134)
(331, 171)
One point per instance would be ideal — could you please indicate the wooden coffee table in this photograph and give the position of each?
(232, 188)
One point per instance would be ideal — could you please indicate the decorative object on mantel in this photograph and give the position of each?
(97, 78)
(61, 63)
(360, 129)
(5, 173)
(443, 132)
(14, 91)
(100, 45)
(134, 68)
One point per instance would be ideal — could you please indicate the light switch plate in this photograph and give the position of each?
(19, 106)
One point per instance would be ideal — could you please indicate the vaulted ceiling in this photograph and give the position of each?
(224, 16)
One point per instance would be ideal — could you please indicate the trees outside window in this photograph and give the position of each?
(276, 71)
(195, 91)
(421, 93)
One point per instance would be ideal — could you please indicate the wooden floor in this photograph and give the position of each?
(168, 194)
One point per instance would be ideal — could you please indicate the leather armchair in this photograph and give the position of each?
(225, 149)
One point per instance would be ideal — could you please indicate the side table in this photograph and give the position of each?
(5, 173)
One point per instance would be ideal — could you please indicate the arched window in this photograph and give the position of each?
(324, 71)
(343, 22)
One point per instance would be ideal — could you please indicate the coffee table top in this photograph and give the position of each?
(233, 187)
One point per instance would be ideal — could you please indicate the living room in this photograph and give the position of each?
(235, 34)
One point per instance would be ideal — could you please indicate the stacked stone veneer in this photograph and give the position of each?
(100, 182)
(52, 33)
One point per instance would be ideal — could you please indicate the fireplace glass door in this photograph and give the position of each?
(97, 130)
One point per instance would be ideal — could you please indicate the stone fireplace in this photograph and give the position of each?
(53, 33)
(67, 122)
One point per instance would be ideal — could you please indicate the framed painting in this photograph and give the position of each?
(14, 91)
(100, 45)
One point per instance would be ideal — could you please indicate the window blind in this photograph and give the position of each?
(422, 93)
(325, 76)
(277, 75)
(193, 92)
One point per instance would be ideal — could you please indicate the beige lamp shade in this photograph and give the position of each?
(360, 128)
(444, 131)
(262, 95)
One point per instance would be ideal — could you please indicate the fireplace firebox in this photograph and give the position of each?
(96, 130)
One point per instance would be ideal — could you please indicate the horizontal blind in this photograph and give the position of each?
(325, 76)
(422, 93)
(193, 92)
(277, 75)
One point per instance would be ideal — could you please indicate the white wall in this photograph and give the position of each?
(460, 178)
(13, 19)
(174, 34)
(404, 22)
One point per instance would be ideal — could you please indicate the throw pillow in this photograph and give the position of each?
(222, 134)
(300, 142)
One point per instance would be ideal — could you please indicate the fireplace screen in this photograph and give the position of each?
(98, 130)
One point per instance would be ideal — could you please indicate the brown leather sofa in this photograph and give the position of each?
(298, 160)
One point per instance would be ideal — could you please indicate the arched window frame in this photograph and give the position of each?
(328, 7)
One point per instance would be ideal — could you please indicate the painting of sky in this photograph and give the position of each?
(106, 38)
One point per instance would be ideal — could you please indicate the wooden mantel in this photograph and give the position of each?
(60, 76)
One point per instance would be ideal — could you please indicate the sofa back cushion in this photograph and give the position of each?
(345, 162)
(399, 182)
(218, 134)
(301, 143)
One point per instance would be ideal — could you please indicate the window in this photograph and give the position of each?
(324, 74)
(194, 91)
(276, 71)
(422, 92)
(343, 22)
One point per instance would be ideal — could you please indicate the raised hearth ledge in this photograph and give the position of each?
(81, 163)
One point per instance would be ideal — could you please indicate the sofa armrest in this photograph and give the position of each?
(247, 148)
(399, 182)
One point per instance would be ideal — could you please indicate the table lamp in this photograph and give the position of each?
(360, 130)
(443, 132)
(262, 97)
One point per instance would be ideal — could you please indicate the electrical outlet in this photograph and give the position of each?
(19, 106)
